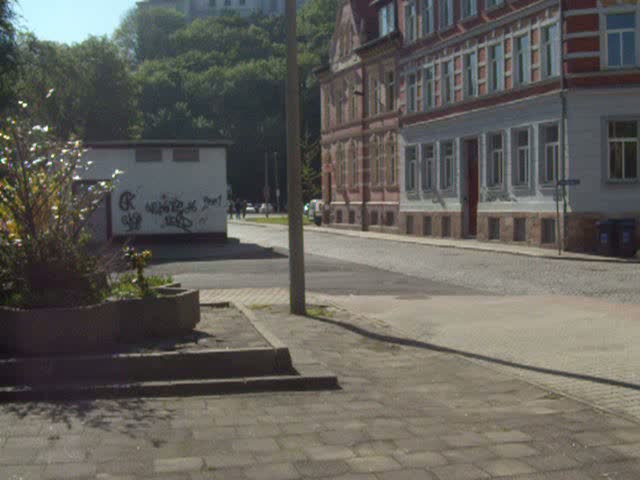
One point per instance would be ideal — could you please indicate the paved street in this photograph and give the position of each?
(405, 412)
(493, 273)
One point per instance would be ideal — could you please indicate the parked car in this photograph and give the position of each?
(263, 208)
(251, 208)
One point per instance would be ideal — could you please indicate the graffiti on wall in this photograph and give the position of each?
(169, 210)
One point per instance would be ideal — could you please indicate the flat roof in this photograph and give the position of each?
(120, 144)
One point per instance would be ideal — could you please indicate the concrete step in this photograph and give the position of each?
(180, 388)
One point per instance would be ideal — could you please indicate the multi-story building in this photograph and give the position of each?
(204, 8)
(500, 101)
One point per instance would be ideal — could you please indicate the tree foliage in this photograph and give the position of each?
(7, 49)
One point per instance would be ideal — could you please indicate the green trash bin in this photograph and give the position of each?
(626, 235)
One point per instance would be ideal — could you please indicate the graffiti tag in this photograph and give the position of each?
(126, 201)
(133, 221)
(211, 202)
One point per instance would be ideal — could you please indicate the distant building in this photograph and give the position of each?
(211, 8)
(466, 118)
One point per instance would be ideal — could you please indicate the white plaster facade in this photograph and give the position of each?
(163, 196)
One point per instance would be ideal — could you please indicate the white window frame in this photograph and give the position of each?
(410, 21)
(391, 147)
(428, 17)
(428, 158)
(468, 9)
(390, 90)
(470, 69)
(547, 146)
(623, 140)
(606, 33)
(387, 19)
(496, 78)
(447, 165)
(411, 171)
(446, 14)
(519, 152)
(495, 161)
(550, 49)
(522, 59)
(429, 87)
(447, 81)
(412, 91)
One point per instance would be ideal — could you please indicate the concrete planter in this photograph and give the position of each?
(98, 328)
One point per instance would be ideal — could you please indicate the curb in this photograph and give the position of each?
(409, 239)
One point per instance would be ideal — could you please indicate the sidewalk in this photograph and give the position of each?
(406, 412)
(467, 244)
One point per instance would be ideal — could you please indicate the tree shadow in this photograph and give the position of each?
(475, 356)
(124, 416)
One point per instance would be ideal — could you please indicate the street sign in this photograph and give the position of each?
(571, 182)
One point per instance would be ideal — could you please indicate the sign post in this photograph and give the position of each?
(564, 183)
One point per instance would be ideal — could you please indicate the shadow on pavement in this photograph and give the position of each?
(476, 356)
(116, 416)
(193, 252)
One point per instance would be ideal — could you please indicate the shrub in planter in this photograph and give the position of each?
(44, 210)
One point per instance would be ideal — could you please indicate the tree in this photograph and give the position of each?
(311, 176)
(7, 50)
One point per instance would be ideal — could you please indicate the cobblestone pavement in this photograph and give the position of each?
(591, 345)
(497, 273)
(405, 412)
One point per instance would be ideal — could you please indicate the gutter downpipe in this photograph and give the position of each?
(563, 141)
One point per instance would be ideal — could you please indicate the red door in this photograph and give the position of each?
(473, 187)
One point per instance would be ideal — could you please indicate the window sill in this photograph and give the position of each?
(622, 181)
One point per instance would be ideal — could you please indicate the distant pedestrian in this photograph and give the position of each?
(231, 208)
(238, 208)
(244, 209)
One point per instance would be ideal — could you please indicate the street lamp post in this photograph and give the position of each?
(294, 169)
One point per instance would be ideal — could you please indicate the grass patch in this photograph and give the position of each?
(125, 287)
(278, 220)
(320, 311)
(258, 307)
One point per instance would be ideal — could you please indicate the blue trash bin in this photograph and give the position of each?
(626, 235)
(607, 238)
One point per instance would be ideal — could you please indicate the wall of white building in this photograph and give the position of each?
(166, 197)
(589, 112)
(506, 119)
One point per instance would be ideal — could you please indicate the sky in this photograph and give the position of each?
(71, 21)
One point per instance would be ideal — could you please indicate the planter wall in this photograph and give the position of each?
(98, 328)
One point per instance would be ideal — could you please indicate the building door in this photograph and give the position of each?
(473, 187)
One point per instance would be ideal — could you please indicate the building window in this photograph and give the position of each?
(468, 8)
(353, 168)
(494, 228)
(353, 104)
(186, 155)
(446, 13)
(391, 91)
(494, 3)
(148, 155)
(519, 229)
(471, 74)
(427, 226)
(446, 226)
(550, 51)
(447, 81)
(548, 233)
(621, 40)
(428, 166)
(374, 159)
(411, 170)
(375, 96)
(447, 160)
(496, 67)
(429, 89)
(412, 92)
(411, 21)
(523, 154)
(495, 160)
(551, 150)
(342, 166)
(339, 216)
(352, 217)
(340, 108)
(523, 60)
(409, 225)
(374, 218)
(427, 17)
(387, 19)
(623, 150)
(392, 162)
(381, 164)
(390, 219)
(326, 109)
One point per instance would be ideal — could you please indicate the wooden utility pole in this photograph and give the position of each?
(294, 169)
